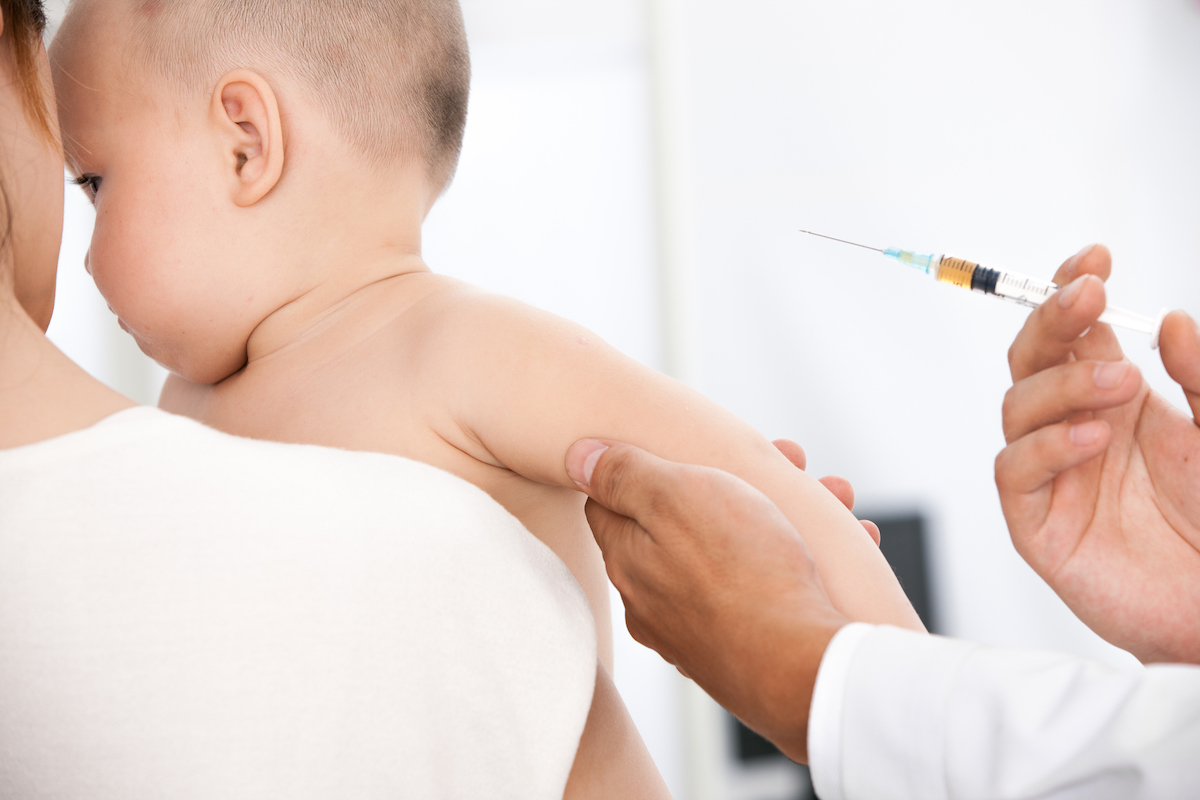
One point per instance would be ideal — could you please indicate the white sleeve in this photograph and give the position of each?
(899, 715)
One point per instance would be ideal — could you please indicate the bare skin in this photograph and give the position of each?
(280, 279)
(43, 393)
(1098, 482)
(715, 579)
(612, 760)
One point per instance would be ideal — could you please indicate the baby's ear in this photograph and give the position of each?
(246, 114)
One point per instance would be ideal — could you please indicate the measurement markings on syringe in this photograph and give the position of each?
(1024, 290)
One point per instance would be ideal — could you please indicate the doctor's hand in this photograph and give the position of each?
(715, 579)
(1100, 481)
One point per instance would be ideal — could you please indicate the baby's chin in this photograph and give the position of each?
(201, 368)
(146, 347)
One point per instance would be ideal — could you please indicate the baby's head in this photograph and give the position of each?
(235, 149)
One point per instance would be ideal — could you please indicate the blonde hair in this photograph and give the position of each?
(393, 76)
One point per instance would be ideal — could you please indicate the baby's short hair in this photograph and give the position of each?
(392, 75)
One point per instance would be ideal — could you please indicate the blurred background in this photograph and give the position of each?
(643, 167)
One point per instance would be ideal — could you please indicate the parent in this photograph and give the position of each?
(184, 613)
(1099, 486)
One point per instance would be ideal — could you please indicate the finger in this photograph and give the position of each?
(616, 536)
(1058, 393)
(1032, 461)
(1180, 345)
(1053, 329)
(1095, 259)
(792, 451)
(1100, 343)
(622, 477)
(839, 488)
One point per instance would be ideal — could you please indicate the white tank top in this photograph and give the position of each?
(194, 616)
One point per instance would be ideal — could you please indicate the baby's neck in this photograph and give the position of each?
(341, 297)
(334, 237)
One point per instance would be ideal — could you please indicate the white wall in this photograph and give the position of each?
(1011, 133)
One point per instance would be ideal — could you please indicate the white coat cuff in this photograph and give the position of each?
(825, 713)
(888, 692)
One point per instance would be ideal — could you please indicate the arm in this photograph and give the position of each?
(719, 583)
(612, 760)
(715, 579)
(529, 384)
(1100, 482)
(902, 716)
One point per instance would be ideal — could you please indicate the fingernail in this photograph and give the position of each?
(1074, 260)
(1070, 293)
(1086, 433)
(1111, 374)
(582, 458)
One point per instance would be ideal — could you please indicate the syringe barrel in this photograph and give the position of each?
(956, 271)
(1011, 286)
(1023, 289)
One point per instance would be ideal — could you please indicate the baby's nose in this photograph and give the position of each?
(87, 257)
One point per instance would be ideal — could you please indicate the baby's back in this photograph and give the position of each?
(384, 373)
(395, 369)
(185, 614)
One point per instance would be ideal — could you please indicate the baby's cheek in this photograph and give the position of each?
(101, 263)
(110, 270)
(124, 273)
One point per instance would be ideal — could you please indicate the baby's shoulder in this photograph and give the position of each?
(453, 314)
(454, 298)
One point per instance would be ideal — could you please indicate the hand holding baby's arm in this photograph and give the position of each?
(532, 384)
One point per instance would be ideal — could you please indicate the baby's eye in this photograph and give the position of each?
(90, 184)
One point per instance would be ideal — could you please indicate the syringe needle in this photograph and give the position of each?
(1022, 289)
(843, 241)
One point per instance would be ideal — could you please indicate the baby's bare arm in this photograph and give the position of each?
(612, 760)
(526, 385)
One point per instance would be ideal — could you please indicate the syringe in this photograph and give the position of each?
(1011, 286)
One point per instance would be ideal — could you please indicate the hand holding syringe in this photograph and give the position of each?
(1012, 286)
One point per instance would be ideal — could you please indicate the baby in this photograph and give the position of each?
(261, 170)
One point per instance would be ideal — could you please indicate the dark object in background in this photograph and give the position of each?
(902, 541)
(751, 746)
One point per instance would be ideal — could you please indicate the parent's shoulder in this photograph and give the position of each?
(330, 568)
(362, 485)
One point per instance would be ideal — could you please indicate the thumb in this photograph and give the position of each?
(1180, 345)
(623, 478)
